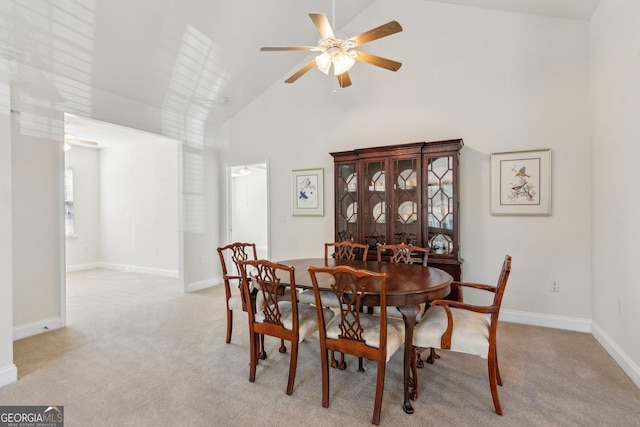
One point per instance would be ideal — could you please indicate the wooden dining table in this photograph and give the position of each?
(408, 286)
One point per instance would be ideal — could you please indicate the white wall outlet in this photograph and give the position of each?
(201, 258)
(620, 307)
(554, 286)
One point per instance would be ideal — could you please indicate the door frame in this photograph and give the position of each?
(227, 234)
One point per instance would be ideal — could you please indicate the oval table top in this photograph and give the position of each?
(407, 284)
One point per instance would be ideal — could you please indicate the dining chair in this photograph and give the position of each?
(235, 300)
(465, 328)
(374, 337)
(278, 315)
(343, 250)
(402, 253)
(408, 254)
(346, 250)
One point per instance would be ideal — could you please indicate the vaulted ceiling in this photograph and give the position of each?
(168, 53)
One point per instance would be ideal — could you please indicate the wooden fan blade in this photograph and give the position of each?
(279, 48)
(377, 33)
(377, 61)
(344, 80)
(322, 24)
(301, 72)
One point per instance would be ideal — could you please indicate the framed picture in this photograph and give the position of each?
(307, 192)
(521, 183)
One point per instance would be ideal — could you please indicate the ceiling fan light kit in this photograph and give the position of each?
(340, 53)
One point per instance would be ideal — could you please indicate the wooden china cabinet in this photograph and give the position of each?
(401, 194)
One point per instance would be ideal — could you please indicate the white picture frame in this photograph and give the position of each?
(307, 192)
(521, 183)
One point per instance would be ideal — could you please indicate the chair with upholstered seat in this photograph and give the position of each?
(278, 315)
(342, 250)
(235, 298)
(407, 254)
(401, 253)
(346, 250)
(465, 328)
(374, 337)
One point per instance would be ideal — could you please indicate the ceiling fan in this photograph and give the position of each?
(340, 53)
(70, 139)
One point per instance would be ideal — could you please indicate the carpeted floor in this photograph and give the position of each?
(139, 352)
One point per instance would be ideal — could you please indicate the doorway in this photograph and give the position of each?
(248, 207)
(121, 210)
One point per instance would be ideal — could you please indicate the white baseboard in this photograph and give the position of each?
(8, 375)
(546, 320)
(124, 267)
(628, 366)
(80, 267)
(36, 328)
(202, 284)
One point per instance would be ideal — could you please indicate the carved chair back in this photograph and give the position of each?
(346, 250)
(407, 254)
(267, 277)
(235, 252)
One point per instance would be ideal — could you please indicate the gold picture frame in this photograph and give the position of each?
(521, 183)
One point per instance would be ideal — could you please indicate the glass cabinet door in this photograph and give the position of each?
(440, 204)
(406, 202)
(347, 202)
(375, 202)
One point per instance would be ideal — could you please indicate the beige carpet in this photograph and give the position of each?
(138, 352)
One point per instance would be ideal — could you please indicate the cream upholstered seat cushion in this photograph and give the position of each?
(307, 318)
(235, 302)
(470, 330)
(395, 312)
(329, 299)
(260, 298)
(371, 326)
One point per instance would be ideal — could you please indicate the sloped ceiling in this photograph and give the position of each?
(168, 54)
(570, 9)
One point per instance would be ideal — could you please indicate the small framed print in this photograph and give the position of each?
(307, 192)
(521, 183)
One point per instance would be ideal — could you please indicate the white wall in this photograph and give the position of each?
(141, 213)
(502, 82)
(615, 93)
(202, 226)
(8, 371)
(84, 247)
(38, 262)
(138, 206)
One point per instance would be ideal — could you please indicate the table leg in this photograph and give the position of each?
(409, 314)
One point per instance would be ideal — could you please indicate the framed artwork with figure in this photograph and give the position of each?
(307, 192)
(521, 183)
